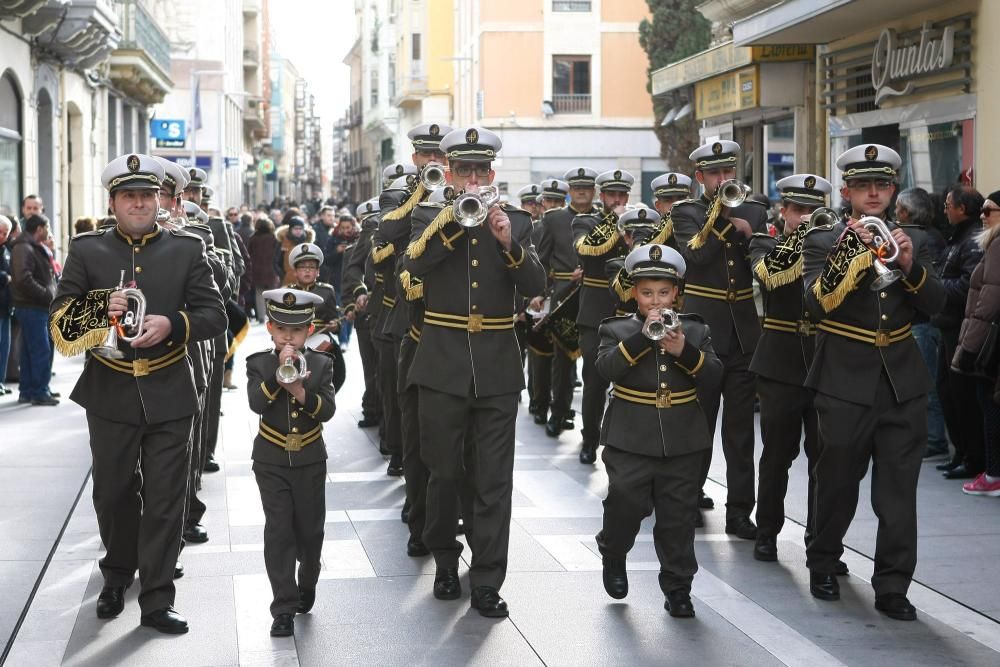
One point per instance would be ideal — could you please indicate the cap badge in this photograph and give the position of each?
(871, 153)
(618, 175)
(672, 179)
(132, 162)
(555, 185)
(192, 174)
(410, 180)
(581, 172)
(472, 136)
(642, 214)
(288, 299)
(717, 148)
(655, 253)
(304, 247)
(435, 130)
(810, 182)
(534, 189)
(399, 170)
(368, 208)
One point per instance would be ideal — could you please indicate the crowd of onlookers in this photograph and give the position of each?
(30, 269)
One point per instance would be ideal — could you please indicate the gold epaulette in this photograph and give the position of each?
(406, 207)
(417, 247)
(412, 287)
(383, 252)
(666, 231)
(698, 240)
(623, 286)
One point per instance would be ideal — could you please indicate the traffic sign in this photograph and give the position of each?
(266, 166)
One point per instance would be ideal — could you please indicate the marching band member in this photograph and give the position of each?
(668, 189)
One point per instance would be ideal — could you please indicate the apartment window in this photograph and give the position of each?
(571, 5)
(10, 145)
(571, 84)
(374, 86)
(416, 45)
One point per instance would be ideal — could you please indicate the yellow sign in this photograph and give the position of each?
(724, 58)
(728, 93)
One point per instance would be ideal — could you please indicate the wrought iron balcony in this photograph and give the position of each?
(16, 9)
(79, 34)
(140, 65)
(571, 103)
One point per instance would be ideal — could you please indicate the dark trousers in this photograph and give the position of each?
(415, 473)
(294, 501)
(469, 441)
(595, 388)
(388, 365)
(540, 380)
(371, 401)
(213, 400)
(140, 478)
(893, 436)
(195, 508)
(786, 412)
(991, 424)
(36, 353)
(563, 376)
(962, 416)
(737, 393)
(639, 484)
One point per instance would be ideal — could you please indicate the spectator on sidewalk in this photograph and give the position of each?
(915, 214)
(244, 227)
(34, 287)
(262, 247)
(31, 205)
(326, 226)
(84, 225)
(342, 237)
(981, 311)
(6, 302)
(957, 392)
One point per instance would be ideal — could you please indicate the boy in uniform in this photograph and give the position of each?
(654, 432)
(289, 455)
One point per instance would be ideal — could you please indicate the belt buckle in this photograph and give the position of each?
(803, 328)
(731, 296)
(293, 442)
(662, 398)
(881, 338)
(475, 324)
(140, 368)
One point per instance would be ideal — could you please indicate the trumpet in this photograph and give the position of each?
(886, 251)
(432, 176)
(129, 328)
(657, 329)
(823, 216)
(470, 208)
(292, 369)
(732, 193)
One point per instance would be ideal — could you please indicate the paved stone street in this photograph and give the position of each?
(374, 604)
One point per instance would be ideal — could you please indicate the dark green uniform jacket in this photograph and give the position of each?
(596, 240)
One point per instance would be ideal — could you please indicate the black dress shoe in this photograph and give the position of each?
(541, 418)
(307, 598)
(416, 548)
(949, 465)
(824, 586)
(588, 455)
(742, 527)
(568, 424)
(615, 578)
(678, 603)
(705, 503)
(395, 467)
(961, 471)
(283, 625)
(895, 605)
(22, 399)
(766, 549)
(211, 465)
(55, 394)
(840, 569)
(46, 401)
(488, 602)
(165, 620)
(195, 534)
(178, 570)
(111, 601)
(446, 584)
(368, 422)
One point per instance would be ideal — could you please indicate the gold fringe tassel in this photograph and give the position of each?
(413, 287)
(61, 321)
(237, 340)
(858, 265)
(382, 253)
(666, 231)
(698, 240)
(623, 293)
(407, 207)
(417, 247)
(781, 278)
(584, 248)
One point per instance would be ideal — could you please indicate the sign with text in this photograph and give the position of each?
(728, 93)
(896, 63)
(168, 133)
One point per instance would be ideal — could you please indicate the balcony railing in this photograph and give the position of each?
(571, 103)
(140, 32)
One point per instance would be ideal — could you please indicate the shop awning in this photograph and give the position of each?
(821, 21)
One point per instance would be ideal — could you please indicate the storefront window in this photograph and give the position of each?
(10, 146)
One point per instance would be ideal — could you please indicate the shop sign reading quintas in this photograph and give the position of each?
(895, 65)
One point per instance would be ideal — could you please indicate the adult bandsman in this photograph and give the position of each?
(871, 385)
(781, 361)
(140, 406)
(558, 257)
(668, 189)
(536, 346)
(714, 240)
(397, 170)
(471, 276)
(528, 196)
(596, 239)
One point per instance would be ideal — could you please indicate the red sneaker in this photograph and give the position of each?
(980, 487)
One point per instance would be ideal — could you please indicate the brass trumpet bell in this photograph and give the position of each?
(292, 369)
(470, 209)
(432, 176)
(657, 329)
(732, 193)
(109, 348)
(886, 251)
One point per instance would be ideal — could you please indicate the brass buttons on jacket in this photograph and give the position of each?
(475, 241)
(883, 294)
(295, 414)
(475, 284)
(475, 307)
(663, 385)
(138, 269)
(135, 249)
(295, 429)
(732, 263)
(475, 262)
(663, 367)
(885, 317)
